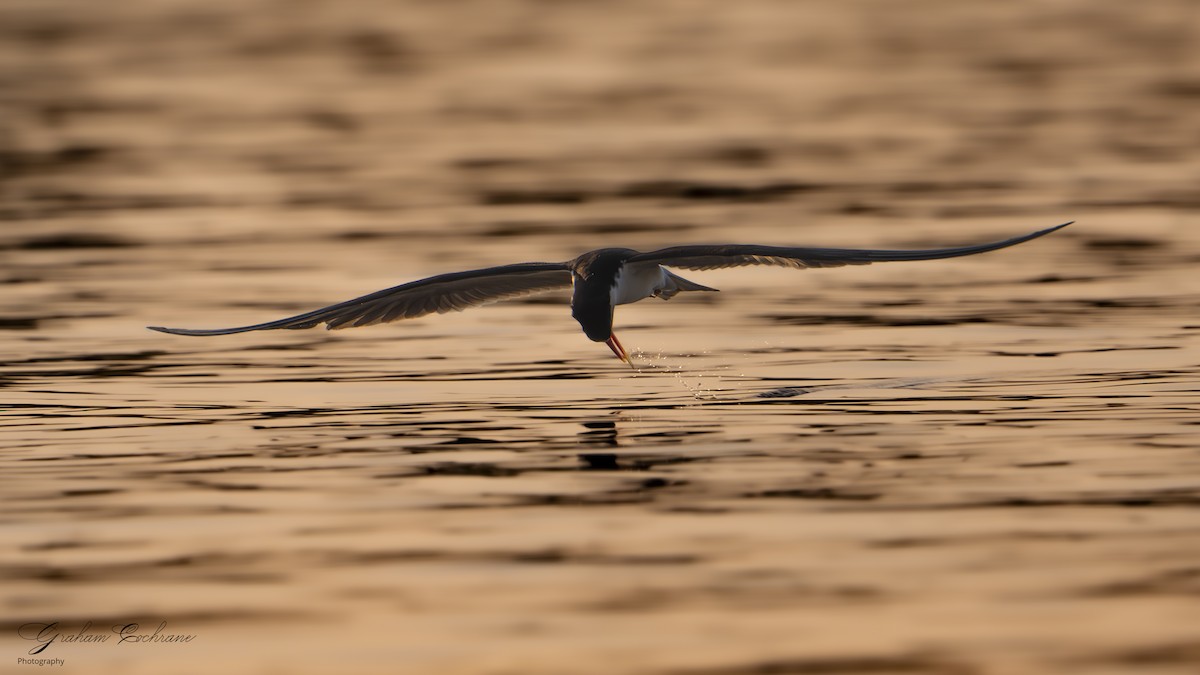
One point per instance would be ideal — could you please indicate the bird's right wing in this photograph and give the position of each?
(443, 293)
(736, 255)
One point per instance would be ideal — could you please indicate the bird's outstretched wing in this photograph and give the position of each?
(443, 293)
(735, 255)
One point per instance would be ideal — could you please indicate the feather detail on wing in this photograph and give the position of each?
(736, 255)
(443, 293)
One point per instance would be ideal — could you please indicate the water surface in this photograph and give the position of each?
(983, 465)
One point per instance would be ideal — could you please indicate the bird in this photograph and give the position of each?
(600, 280)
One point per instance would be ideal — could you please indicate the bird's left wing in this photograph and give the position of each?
(736, 255)
(443, 293)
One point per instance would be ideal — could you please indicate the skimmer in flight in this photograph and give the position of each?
(601, 279)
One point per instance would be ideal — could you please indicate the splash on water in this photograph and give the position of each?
(703, 385)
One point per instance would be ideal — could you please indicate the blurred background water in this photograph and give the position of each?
(982, 465)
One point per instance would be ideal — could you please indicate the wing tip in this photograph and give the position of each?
(191, 331)
(1056, 228)
(175, 331)
(1048, 230)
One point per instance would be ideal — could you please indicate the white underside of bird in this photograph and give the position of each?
(647, 280)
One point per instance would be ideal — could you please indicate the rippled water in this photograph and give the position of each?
(982, 465)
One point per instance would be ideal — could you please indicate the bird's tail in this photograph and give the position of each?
(677, 284)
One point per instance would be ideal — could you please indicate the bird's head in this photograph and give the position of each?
(591, 302)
